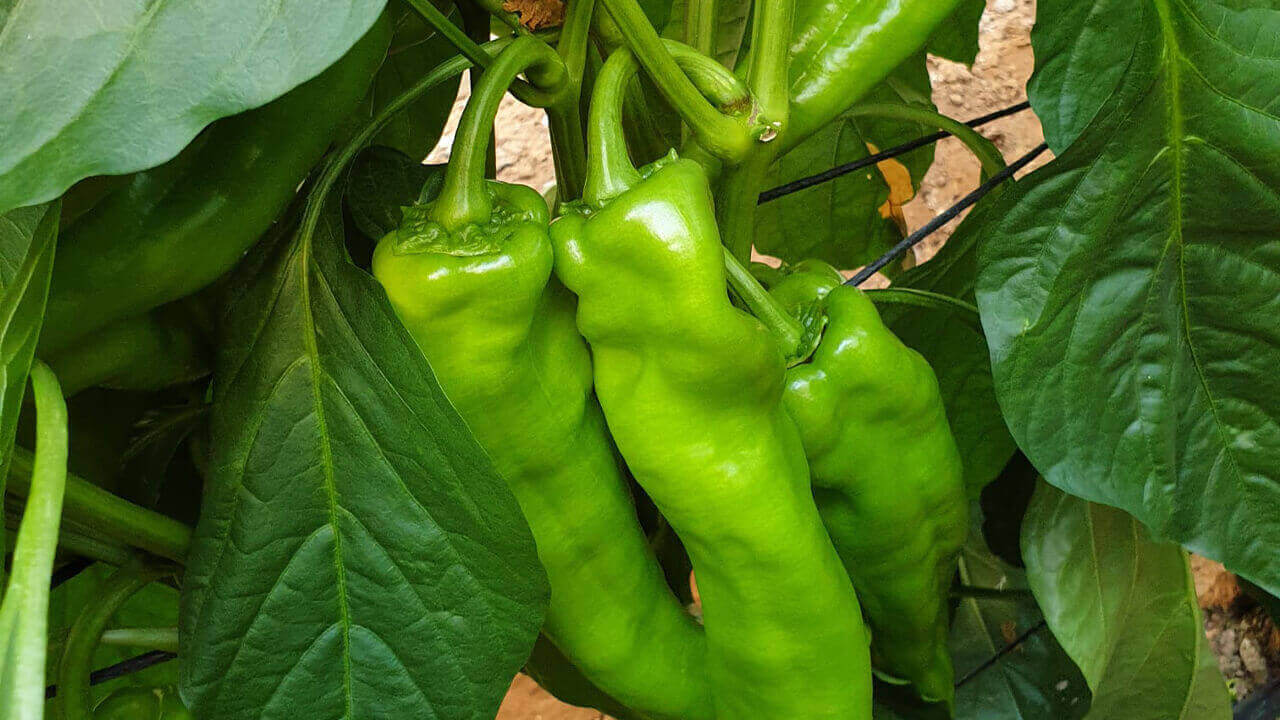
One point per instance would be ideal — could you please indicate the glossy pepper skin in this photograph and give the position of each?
(142, 704)
(499, 333)
(174, 229)
(840, 49)
(886, 474)
(691, 389)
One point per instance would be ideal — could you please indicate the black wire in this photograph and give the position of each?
(69, 570)
(1003, 651)
(134, 664)
(845, 169)
(946, 217)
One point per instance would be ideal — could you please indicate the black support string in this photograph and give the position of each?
(134, 664)
(1003, 651)
(947, 216)
(845, 169)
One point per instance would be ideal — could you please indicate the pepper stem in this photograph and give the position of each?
(463, 200)
(610, 171)
(788, 330)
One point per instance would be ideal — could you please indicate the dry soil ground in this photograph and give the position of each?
(1247, 645)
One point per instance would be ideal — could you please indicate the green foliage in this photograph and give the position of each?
(957, 38)
(385, 566)
(1129, 289)
(1124, 607)
(148, 78)
(1035, 680)
(840, 221)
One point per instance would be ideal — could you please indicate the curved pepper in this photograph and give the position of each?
(886, 473)
(470, 277)
(691, 389)
(174, 229)
(142, 704)
(840, 49)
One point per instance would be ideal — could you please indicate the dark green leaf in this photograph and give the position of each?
(1130, 289)
(1124, 607)
(1036, 679)
(1084, 50)
(380, 182)
(356, 554)
(840, 221)
(124, 85)
(957, 38)
(416, 48)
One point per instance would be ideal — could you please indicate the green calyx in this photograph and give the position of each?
(419, 232)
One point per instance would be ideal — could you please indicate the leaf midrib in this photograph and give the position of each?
(330, 482)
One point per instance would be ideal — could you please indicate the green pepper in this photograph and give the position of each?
(174, 229)
(470, 277)
(138, 703)
(691, 388)
(886, 473)
(152, 351)
(840, 50)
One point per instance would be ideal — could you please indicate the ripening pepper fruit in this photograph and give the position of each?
(886, 473)
(691, 389)
(470, 277)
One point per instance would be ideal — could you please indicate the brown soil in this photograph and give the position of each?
(1247, 644)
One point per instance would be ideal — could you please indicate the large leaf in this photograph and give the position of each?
(357, 556)
(1130, 289)
(1083, 52)
(27, 239)
(958, 355)
(1034, 681)
(123, 85)
(1124, 607)
(842, 221)
(24, 610)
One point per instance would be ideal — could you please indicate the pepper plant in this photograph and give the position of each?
(317, 430)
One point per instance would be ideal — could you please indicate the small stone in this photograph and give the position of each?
(1254, 663)
(1003, 6)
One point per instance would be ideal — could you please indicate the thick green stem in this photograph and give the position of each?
(700, 18)
(565, 117)
(726, 137)
(454, 34)
(110, 516)
(463, 199)
(986, 152)
(160, 638)
(767, 79)
(609, 169)
(967, 312)
(73, 701)
(788, 330)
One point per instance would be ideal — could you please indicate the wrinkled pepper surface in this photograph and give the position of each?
(691, 389)
(886, 473)
(470, 277)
